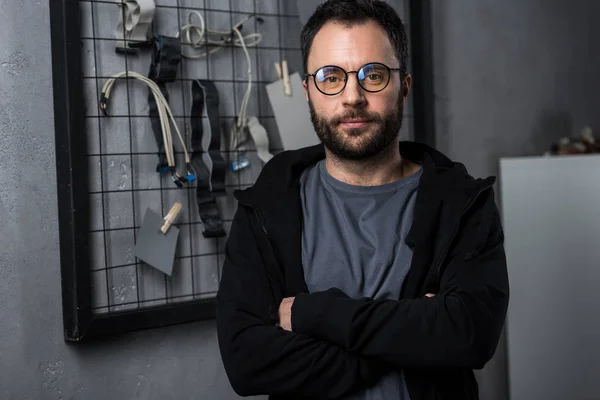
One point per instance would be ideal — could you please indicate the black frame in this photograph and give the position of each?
(421, 38)
(346, 73)
(79, 321)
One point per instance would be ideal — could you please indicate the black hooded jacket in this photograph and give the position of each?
(341, 345)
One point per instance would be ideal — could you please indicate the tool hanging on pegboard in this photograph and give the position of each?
(135, 22)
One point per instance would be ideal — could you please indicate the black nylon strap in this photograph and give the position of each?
(213, 157)
(166, 59)
(207, 205)
(163, 68)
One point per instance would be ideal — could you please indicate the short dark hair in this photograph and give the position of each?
(350, 13)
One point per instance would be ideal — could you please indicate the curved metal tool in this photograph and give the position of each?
(135, 19)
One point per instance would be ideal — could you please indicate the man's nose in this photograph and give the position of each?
(353, 94)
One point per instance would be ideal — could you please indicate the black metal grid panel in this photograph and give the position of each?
(122, 153)
(106, 164)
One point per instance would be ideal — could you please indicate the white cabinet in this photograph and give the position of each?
(551, 213)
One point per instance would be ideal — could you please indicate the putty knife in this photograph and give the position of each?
(157, 240)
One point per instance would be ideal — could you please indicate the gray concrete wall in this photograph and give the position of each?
(35, 363)
(180, 362)
(512, 76)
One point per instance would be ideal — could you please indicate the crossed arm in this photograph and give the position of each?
(329, 345)
(260, 357)
(459, 327)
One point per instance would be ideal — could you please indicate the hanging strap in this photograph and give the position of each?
(203, 163)
(212, 157)
(166, 59)
(163, 68)
(260, 138)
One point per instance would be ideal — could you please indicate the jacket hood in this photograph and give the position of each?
(284, 170)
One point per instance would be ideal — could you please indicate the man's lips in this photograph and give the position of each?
(354, 122)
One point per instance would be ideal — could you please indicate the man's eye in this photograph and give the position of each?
(374, 77)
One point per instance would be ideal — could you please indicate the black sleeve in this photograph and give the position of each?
(459, 327)
(261, 358)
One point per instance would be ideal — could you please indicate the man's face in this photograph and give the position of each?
(355, 124)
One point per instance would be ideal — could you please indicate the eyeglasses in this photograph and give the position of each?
(372, 77)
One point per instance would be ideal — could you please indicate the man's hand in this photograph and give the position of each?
(429, 295)
(285, 313)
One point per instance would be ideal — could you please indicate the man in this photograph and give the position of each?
(366, 267)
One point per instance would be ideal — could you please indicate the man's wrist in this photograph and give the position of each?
(301, 312)
(318, 315)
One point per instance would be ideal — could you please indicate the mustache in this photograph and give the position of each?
(356, 114)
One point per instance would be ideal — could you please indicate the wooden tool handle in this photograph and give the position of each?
(171, 217)
(287, 88)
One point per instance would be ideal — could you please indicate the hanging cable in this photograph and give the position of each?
(199, 37)
(164, 113)
(244, 106)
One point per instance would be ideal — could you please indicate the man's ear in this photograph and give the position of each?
(406, 84)
(305, 86)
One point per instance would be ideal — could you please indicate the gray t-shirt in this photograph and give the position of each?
(353, 239)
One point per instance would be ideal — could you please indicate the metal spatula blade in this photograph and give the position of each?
(157, 240)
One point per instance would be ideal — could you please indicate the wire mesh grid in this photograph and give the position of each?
(122, 152)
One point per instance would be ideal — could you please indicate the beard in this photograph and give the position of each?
(380, 133)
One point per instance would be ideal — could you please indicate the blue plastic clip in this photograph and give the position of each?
(239, 164)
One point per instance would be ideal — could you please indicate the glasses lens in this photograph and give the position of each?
(330, 80)
(373, 77)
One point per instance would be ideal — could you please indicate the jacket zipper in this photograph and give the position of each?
(442, 256)
(262, 226)
(273, 308)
